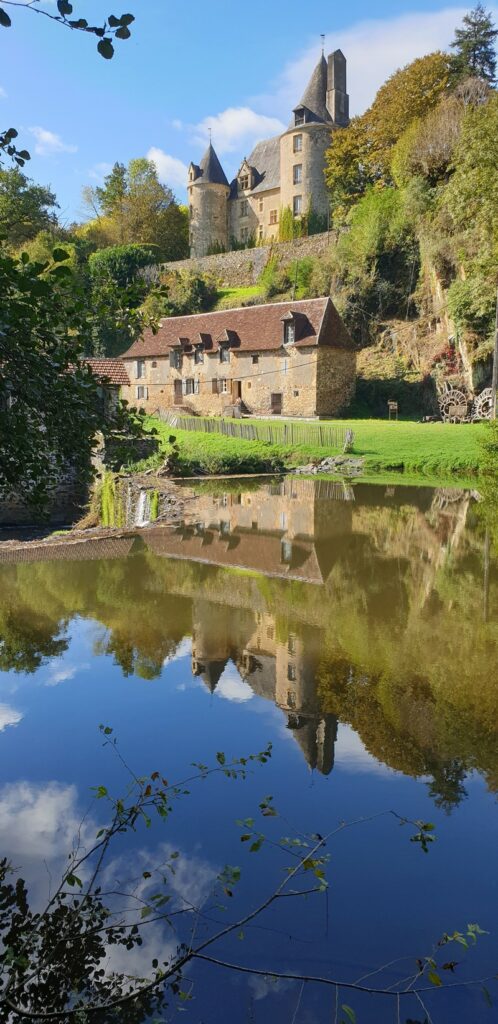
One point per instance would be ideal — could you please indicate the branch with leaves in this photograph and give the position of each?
(51, 967)
(112, 28)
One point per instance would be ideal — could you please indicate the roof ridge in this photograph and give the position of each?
(238, 309)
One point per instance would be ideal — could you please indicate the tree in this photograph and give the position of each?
(119, 285)
(50, 407)
(25, 208)
(474, 46)
(137, 208)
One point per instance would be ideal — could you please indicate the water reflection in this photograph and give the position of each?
(362, 605)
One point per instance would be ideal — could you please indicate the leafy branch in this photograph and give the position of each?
(113, 27)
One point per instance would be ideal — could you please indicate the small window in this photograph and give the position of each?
(289, 332)
(224, 354)
(175, 359)
(296, 394)
(297, 144)
(198, 354)
(244, 182)
(255, 360)
(224, 386)
(142, 392)
(291, 673)
(244, 208)
(140, 368)
(297, 206)
(297, 174)
(260, 232)
(299, 117)
(154, 364)
(273, 216)
(188, 386)
(261, 204)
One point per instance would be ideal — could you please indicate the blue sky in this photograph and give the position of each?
(186, 68)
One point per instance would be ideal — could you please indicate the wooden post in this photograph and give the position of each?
(494, 382)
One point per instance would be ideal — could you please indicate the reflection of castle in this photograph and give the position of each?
(281, 670)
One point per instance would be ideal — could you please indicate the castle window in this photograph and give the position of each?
(224, 354)
(289, 332)
(299, 117)
(297, 206)
(244, 208)
(244, 182)
(297, 174)
(297, 143)
(273, 216)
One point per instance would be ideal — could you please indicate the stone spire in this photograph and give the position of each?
(211, 170)
(314, 100)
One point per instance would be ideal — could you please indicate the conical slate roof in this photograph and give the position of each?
(211, 170)
(315, 96)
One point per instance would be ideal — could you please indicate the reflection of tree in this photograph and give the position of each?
(447, 788)
(27, 640)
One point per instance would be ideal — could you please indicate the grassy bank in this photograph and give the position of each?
(435, 450)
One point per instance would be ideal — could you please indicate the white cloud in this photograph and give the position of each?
(182, 650)
(48, 143)
(351, 755)
(232, 687)
(9, 716)
(3, 93)
(171, 170)
(374, 50)
(236, 128)
(99, 171)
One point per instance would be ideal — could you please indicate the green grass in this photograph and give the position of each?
(231, 298)
(435, 451)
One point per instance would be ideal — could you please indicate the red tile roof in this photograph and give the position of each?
(112, 371)
(251, 328)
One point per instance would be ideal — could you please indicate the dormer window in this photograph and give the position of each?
(198, 354)
(299, 117)
(289, 332)
(224, 354)
(244, 182)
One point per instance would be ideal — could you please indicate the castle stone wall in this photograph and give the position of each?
(236, 269)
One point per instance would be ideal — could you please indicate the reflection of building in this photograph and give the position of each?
(281, 670)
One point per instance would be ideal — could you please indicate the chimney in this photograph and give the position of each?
(337, 97)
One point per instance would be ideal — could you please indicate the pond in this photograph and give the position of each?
(353, 627)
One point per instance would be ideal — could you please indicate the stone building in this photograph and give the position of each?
(294, 358)
(282, 173)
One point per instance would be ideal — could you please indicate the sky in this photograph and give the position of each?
(187, 68)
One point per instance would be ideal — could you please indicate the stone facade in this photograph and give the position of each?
(289, 358)
(282, 173)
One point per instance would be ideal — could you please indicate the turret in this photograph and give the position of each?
(208, 192)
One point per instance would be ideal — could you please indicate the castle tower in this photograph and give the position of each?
(323, 109)
(208, 192)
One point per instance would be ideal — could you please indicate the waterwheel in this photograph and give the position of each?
(483, 405)
(453, 406)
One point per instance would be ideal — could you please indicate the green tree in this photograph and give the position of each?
(475, 47)
(119, 285)
(111, 194)
(25, 208)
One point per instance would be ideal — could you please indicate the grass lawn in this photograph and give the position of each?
(231, 298)
(434, 450)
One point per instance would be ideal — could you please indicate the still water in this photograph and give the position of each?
(353, 628)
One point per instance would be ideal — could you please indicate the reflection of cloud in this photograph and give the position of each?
(192, 880)
(60, 671)
(232, 687)
(9, 716)
(182, 650)
(261, 987)
(351, 755)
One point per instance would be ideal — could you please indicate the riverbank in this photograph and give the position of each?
(436, 450)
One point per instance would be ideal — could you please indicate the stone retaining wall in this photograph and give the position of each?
(236, 269)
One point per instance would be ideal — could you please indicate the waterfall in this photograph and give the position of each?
(142, 514)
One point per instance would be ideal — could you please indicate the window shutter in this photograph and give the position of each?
(146, 393)
(184, 387)
(136, 369)
(196, 386)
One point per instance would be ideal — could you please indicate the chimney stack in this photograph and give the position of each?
(337, 96)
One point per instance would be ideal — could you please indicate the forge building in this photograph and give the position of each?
(295, 358)
(283, 173)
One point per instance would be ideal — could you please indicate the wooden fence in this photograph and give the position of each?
(317, 435)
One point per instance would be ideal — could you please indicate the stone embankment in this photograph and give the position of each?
(342, 465)
(237, 269)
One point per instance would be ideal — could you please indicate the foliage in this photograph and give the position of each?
(118, 286)
(474, 46)
(274, 278)
(50, 408)
(113, 28)
(361, 154)
(137, 208)
(25, 208)
(189, 292)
